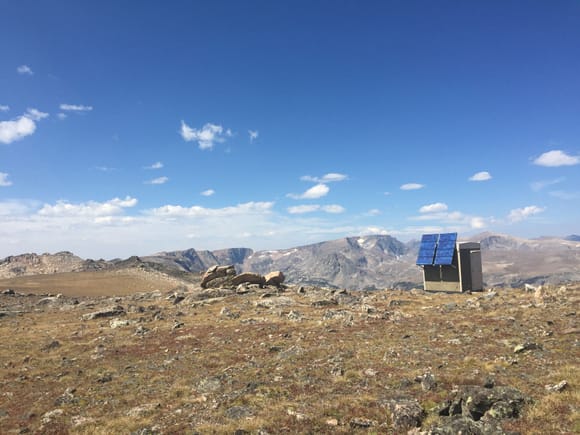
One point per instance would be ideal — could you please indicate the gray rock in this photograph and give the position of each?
(359, 422)
(464, 425)
(238, 412)
(477, 401)
(406, 414)
(50, 416)
(526, 346)
(295, 316)
(118, 323)
(113, 311)
(428, 382)
(560, 386)
(226, 312)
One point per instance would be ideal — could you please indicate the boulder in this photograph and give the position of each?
(275, 278)
(105, 312)
(248, 278)
(216, 272)
(498, 402)
(406, 414)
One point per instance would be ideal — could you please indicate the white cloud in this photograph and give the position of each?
(4, 108)
(539, 185)
(4, 181)
(301, 209)
(24, 70)
(433, 208)
(63, 208)
(556, 158)
(412, 186)
(75, 108)
(158, 180)
(96, 229)
(327, 178)
(333, 208)
(11, 131)
(197, 211)
(253, 135)
(61, 115)
(480, 176)
(15, 208)
(373, 212)
(455, 220)
(314, 192)
(477, 223)
(520, 214)
(19, 128)
(35, 114)
(208, 192)
(206, 137)
(156, 165)
(310, 208)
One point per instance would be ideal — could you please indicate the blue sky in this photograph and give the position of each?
(212, 124)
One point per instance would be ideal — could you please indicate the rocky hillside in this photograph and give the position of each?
(369, 262)
(34, 264)
(191, 260)
(513, 261)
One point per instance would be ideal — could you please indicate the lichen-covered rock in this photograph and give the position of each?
(406, 414)
(497, 403)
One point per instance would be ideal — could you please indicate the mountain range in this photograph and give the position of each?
(365, 262)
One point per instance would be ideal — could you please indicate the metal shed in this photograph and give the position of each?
(449, 265)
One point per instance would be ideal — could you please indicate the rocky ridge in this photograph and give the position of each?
(369, 262)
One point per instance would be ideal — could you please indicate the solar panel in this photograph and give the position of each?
(427, 249)
(445, 249)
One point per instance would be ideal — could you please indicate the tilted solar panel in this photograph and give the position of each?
(427, 249)
(445, 249)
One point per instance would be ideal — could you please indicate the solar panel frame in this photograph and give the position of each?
(427, 249)
(445, 249)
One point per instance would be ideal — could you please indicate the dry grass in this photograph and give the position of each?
(101, 283)
(263, 371)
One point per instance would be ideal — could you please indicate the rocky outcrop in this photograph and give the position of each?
(217, 275)
(479, 410)
(34, 264)
(225, 276)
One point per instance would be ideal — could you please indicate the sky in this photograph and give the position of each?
(131, 130)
